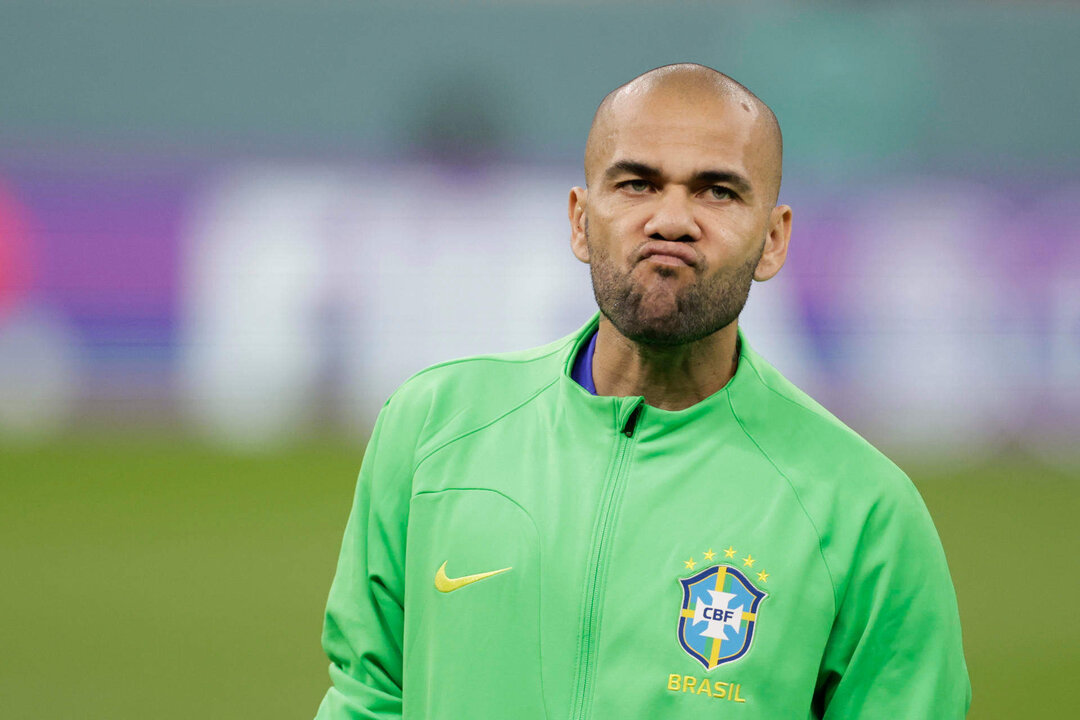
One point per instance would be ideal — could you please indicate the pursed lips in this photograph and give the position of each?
(668, 253)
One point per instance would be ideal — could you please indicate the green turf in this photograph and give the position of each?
(159, 578)
(1011, 531)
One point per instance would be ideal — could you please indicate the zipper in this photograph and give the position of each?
(631, 422)
(591, 616)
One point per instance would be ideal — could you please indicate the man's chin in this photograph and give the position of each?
(660, 330)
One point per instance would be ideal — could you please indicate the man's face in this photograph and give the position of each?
(677, 215)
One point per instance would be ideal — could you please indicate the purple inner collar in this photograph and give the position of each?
(582, 370)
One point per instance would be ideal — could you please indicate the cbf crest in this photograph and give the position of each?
(719, 613)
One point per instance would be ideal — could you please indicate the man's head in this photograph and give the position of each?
(683, 167)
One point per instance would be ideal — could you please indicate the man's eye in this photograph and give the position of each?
(637, 186)
(719, 192)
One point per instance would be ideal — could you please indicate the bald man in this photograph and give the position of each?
(643, 519)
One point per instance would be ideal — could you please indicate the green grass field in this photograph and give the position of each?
(159, 578)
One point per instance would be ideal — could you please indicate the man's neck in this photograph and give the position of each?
(668, 377)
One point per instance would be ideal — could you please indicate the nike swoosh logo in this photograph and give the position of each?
(447, 584)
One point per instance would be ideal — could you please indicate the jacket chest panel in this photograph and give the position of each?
(485, 504)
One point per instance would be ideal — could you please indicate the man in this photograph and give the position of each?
(644, 519)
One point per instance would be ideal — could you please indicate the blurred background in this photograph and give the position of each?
(228, 230)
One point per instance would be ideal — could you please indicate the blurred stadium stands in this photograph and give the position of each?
(258, 218)
(235, 215)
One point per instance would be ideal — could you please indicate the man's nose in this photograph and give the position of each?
(674, 218)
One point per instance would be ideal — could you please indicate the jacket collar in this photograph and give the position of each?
(718, 402)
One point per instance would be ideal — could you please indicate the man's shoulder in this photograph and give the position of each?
(456, 396)
(857, 500)
(807, 443)
(481, 375)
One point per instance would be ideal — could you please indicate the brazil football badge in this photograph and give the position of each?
(719, 612)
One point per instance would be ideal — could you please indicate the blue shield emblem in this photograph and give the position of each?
(719, 612)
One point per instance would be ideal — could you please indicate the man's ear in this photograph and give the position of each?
(776, 244)
(576, 212)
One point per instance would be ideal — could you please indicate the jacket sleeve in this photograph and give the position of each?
(895, 650)
(362, 631)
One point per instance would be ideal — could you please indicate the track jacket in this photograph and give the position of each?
(520, 549)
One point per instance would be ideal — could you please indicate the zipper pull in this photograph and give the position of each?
(631, 422)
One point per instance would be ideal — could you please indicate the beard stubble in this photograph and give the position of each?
(664, 314)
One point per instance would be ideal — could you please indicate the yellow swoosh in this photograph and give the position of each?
(446, 584)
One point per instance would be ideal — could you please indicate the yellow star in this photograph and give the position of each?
(730, 552)
(763, 576)
(690, 564)
(709, 554)
(748, 561)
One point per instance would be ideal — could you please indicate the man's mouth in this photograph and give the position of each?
(664, 252)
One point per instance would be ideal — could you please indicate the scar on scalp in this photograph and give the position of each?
(745, 107)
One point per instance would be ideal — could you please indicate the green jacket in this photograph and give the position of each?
(747, 557)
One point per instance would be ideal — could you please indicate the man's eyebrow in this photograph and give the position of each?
(631, 167)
